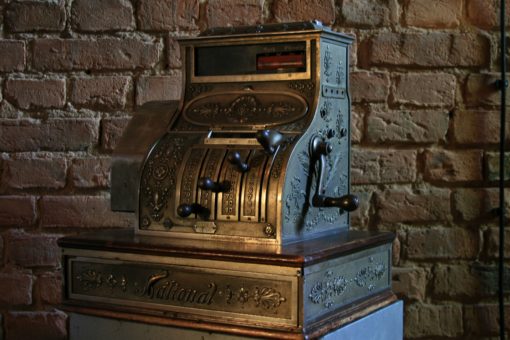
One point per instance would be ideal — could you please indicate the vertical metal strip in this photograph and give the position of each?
(502, 86)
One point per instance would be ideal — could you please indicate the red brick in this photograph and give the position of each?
(32, 250)
(28, 16)
(480, 89)
(369, 86)
(473, 204)
(102, 15)
(36, 93)
(491, 237)
(26, 172)
(360, 217)
(222, 13)
(99, 54)
(174, 59)
(477, 127)
(36, 325)
(441, 243)
(54, 134)
(408, 126)
(302, 10)
(433, 320)
(406, 205)
(410, 283)
(453, 166)
(165, 15)
(432, 89)
(17, 286)
(107, 92)
(91, 172)
(433, 13)
(49, 287)
(426, 49)
(455, 281)
(111, 131)
(157, 88)
(485, 13)
(12, 55)
(81, 212)
(383, 166)
(17, 211)
(483, 319)
(368, 13)
(357, 122)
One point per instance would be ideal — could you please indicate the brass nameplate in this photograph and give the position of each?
(183, 289)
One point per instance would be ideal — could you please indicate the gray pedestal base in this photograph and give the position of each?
(383, 324)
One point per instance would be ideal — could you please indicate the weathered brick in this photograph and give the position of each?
(165, 15)
(97, 54)
(410, 283)
(383, 166)
(28, 16)
(18, 287)
(174, 59)
(300, 10)
(111, 131)
(107, 92)
(453, 166)
(91, 172)
(221, 13)
(441, 243)
(483, 319)
(477, 127)
(81, 212)
(54, 134)
(492, 166)
(481, 89)
(31, 250)
(157, 88)
(12, 55)
(17, 211)
(433, 320)
(357, 123)
(368, 13)
(9, 111)
(429, 89)
(455, 281)
(433, 13)
(102, 15)
(473, 204)
(485, 13)
(369, 86)
(36, 325)
(26, 172)
(426, 49)
(406, 205)
(416, 126)
(36, 93)
(360, 217)
(491, 237)
(49, 287)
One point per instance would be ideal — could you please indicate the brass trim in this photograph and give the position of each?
(251, 77)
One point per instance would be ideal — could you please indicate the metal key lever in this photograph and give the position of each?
(270, 140)
(319, 150)
(206, 183)
(234, 158)
(184, 210)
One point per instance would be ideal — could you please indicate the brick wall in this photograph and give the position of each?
(425, 133)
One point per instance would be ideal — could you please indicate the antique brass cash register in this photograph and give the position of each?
(241, 193)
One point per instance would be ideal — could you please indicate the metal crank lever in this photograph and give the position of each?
(234, 158)
(184, 210)
(206, 183)
(319, 150)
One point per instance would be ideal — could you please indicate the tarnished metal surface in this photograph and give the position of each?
(268, 102)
